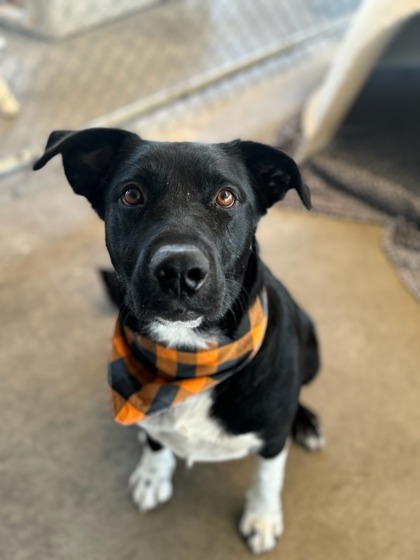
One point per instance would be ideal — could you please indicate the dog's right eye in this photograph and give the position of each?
(132, 196)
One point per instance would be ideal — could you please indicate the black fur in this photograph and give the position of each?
(179, 183)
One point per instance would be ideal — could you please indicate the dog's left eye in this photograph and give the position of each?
(225, 198)
(132, 195)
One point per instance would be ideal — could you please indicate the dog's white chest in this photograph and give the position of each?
(189, 431)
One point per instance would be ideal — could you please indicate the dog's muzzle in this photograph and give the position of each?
(179, 270)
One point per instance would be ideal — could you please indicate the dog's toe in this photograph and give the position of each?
(150, 481)
(261, 531)
(148, 493)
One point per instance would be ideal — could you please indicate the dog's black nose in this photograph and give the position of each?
(179, 269)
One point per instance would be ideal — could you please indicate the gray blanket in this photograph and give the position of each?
(371, 170)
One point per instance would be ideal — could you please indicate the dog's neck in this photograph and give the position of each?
(139, 368)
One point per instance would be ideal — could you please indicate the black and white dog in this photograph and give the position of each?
(180, 222)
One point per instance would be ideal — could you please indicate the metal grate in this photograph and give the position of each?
(111, 68)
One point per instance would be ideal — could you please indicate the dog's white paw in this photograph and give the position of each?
(151, 480)
(261, 530)
(311, 442)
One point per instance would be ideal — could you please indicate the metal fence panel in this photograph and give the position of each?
(137, 60)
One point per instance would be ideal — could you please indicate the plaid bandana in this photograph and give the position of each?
(146, 378)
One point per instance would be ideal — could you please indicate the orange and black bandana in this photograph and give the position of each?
(146, 378)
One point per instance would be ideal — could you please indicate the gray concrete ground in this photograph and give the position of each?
(64, 463)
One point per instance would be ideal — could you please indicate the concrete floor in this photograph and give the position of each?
(64, 463)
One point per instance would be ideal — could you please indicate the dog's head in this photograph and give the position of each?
(179, 218)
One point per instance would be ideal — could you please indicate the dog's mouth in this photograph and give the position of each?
(189, 324)
(167, 312)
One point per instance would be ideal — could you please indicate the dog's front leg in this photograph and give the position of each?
(151, 480)
(262, 521)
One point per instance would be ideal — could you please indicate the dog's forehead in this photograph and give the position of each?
(186, 160)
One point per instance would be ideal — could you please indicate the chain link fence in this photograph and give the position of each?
(73, 63)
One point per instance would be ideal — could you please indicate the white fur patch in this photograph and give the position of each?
(180, 333)
(151, 480)
(262, 521)
(180, 324)
(189, 431)
(313, 442)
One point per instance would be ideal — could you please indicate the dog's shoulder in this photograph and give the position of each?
(262, 397)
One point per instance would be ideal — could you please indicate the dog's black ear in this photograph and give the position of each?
(88, 158)
(274, 172)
